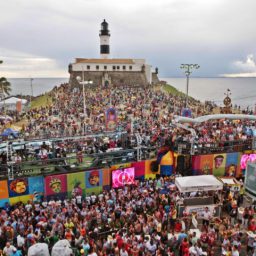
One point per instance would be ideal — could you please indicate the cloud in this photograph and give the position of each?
(165, 33)
(248, 65)
(244, 68)
(23, 65)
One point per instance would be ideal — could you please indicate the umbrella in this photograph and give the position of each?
(62, 248)
(10, 131)
(39, 249)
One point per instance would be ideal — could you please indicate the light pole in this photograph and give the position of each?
(188, 71)
(83, 83)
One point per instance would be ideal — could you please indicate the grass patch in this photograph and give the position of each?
(41, 101)
(173, 91)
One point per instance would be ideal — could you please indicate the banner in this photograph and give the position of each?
(4, 189)
(199, 209)
(206, 164)
(93, 179)
(18, 106)
(196, 163)
(219, 164)
(4, 201)
(76, 184)
(56, 185)
(139, 169)
(186, 112)
(36, 188)
(106, 177)
(36, 184)
(18, 187)
(148, 172)
(111, 118)
(232, 164)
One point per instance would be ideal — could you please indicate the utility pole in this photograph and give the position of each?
(188, 71)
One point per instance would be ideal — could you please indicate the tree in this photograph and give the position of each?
(5, 86)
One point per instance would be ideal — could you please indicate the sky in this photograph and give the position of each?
(40, 38)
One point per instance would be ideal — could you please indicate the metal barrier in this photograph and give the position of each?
(217, 147)
(63, 165)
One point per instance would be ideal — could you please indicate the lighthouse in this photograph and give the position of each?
(104, 40)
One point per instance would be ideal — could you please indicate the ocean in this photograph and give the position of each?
(40, 85)
(243, 90)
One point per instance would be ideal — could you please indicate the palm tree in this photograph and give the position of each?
(5, 86)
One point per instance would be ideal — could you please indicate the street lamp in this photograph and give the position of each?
(83, 83)
(188, 71)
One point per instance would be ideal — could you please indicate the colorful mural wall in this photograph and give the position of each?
(67, 185)
(94, 181)
(218, 164)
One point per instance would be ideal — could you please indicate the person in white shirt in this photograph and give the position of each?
(235, 251)
(8, 249)
(206, 215)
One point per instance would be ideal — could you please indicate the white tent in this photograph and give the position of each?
(198, 183)
(13, 100)
(39, 249)
(11, 103)
(62, 248)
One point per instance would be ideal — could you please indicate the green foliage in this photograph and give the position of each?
(5, 86)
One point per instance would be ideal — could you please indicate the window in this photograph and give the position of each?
(97, 67)
(105, 67)
(130, 67)
(114, 67)
(88, 67)
(117, 67)
(124, 67)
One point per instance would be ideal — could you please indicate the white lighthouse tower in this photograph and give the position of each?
(104, 40)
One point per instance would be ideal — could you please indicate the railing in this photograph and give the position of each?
(63, 165)
(216, 147)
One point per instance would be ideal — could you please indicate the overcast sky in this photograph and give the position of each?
(40, 38)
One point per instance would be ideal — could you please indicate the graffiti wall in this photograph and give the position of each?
(94, 181)
(218, 164)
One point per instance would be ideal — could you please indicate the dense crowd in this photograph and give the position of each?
(142, 219)
(148, 111)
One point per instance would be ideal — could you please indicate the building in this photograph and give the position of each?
(105, 71)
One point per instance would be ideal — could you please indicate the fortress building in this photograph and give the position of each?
(105, 71)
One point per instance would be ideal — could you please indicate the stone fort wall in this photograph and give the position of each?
(116, 78)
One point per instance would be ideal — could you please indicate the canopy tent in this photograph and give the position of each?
(38, 249)
(63, 248)
(13, 103)
(200, 119)
(198, 183)
(13, 100)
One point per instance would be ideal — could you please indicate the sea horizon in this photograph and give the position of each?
(243, 90)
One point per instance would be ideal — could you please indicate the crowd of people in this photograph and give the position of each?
(147, 110)
(133, 220)
(142, 219)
